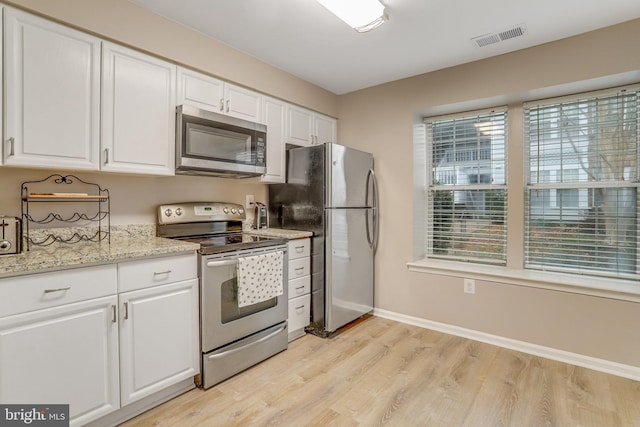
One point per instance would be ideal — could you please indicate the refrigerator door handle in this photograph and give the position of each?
(373, 241)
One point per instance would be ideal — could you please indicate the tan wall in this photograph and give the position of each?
(380, 120)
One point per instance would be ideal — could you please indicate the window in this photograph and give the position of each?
(582, 184)
(466, 186)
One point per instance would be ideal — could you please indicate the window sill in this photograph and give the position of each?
(625, 290)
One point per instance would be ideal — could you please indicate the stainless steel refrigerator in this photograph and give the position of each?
(331, 190)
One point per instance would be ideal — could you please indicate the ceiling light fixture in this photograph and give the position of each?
(361, 15)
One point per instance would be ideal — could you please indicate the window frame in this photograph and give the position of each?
(514, 273)
(459, 159)
(555, 187)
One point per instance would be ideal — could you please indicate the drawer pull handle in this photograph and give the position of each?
(158, 273)
(126, 310)
(299, 269)
(48, 291)
(300, 287)
(299, 249)
(299, 308)
(114, 316)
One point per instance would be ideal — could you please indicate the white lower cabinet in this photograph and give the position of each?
(158, 303)
(158, 338)
(68, 337)
(299, 287)
(66, 353)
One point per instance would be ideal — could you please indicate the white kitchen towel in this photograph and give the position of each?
(260, 278)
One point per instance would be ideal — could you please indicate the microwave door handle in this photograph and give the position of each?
(224, 263)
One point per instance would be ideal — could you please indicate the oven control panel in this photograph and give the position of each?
(200, 211)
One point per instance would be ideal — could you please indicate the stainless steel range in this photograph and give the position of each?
(243, 317)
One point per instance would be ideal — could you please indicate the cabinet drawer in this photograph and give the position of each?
(146, 273)
(299, 312)
(299, 286)
(299, 248)
(44, 290)
(299, 267)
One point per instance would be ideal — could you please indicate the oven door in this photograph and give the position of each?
(223, 321)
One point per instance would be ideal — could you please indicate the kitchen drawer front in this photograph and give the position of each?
(44, 290)
(146, 273)
(299, 267)
(299, 312)
(300, 286)
(299, 248)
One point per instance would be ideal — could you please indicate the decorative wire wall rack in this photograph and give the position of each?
(78, 191)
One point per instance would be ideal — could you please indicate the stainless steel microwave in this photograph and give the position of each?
(209, 143)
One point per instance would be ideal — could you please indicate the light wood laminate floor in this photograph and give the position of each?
(381, 372)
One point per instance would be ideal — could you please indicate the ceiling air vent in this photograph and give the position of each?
(492, 38)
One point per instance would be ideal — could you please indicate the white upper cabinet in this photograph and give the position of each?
(325, 129)
(218, 96)
(138, 112)
(200, 90)
(299, 122)
(305, 127)
(273, 111)
(242, 103)
(52, 91)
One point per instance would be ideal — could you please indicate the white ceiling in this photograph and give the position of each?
(304, 39)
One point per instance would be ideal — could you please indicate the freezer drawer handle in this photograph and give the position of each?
(235, 350)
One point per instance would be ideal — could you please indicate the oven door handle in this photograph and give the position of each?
(244, 347)
(222, 263)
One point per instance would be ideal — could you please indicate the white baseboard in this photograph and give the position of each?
(614, 368)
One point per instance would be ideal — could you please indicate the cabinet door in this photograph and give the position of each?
(66, 355)
(138, 112)
(274, 117)
(325, 129)
(200, 90)
(52, 94)
(242, 103)
(299, 126)
(158, 338)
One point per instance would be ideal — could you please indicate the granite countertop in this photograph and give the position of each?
(279, 232)
(127, 242)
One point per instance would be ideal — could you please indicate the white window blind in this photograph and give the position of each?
(582, 184)
(467, 197)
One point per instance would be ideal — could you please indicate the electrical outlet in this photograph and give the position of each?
(250, 201)
(469, 286)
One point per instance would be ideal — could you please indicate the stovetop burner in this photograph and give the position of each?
(222, 243)
(215, 226)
